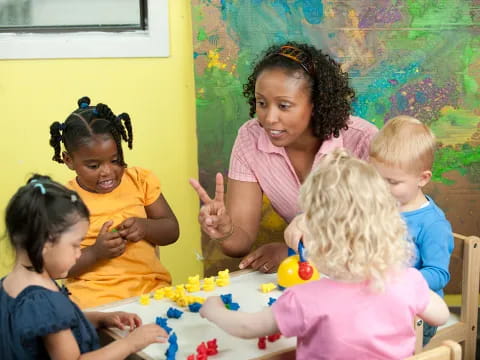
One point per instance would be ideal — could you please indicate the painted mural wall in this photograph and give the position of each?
(415, 57)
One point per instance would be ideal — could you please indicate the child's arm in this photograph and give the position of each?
(436, 313)
(237, 323)
(160, 227)
(435, 249)
(294, 231)
(108, 245)
(63, 346)
(118, 319)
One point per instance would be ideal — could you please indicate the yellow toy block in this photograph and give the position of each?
(224, 274)
(145, 299)
(182, 301)
(209, 283)
(223, 282)
(267, 287)
(193, 287)
(198, 299)
(159, 294)
(194, 279)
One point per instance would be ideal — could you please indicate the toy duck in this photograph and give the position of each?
(295, 269)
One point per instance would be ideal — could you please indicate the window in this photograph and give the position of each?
(83, 28)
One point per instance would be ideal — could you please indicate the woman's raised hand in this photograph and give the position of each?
(213, 216)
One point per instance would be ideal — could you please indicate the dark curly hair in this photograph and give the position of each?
(331, 94)
(40, 212)
(87, 121)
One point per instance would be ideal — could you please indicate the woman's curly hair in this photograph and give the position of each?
(331, 94)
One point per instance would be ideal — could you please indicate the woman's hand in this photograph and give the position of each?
(266, 258)
(120, 319)
(213, 217)
(294, 232)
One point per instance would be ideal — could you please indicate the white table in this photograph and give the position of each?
(191, 329)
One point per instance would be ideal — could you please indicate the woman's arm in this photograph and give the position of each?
(244, 204)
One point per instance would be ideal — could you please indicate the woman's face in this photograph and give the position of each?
(283, 106)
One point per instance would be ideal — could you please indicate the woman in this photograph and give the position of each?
(302, 101)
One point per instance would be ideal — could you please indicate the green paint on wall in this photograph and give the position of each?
(201, 35)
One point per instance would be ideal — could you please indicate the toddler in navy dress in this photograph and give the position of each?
(46, 223)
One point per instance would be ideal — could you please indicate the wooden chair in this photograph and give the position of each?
(449, 350)
(461, 329)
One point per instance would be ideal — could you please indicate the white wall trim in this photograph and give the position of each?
(151, 43)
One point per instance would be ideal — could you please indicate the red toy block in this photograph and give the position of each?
(191, 357)
(262, 343)
(274, 337)
(202, 357)
(202, 349)
(212, 347)
(212, 343)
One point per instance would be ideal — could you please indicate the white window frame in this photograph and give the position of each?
(153, 42)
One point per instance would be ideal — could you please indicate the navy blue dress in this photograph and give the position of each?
(37, 312)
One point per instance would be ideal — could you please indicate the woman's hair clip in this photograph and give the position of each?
(73, 198)
(299, 56)
(95, 111)
(83, 105)
(38, 184)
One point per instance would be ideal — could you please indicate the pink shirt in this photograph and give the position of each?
(255, 159)
(336, 320)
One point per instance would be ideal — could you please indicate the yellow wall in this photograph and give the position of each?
(157, 92)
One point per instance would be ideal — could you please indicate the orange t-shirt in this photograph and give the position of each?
(138, 270)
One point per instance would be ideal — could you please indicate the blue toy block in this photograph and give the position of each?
(172, 339)
(271, 301)
(174, 313)
(226, 298)
(233, 306)
(162, 322)
(195, 307)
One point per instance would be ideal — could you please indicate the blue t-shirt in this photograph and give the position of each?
(432, 234)
(37, 312)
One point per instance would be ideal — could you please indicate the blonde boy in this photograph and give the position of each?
(403, 153)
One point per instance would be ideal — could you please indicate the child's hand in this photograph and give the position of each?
(133, 229)
(120, 319)
(211, 306)
(294, 232)
(108, 244)
(146, 335)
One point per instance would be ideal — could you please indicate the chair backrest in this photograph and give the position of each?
(449, 350)
(467, 250)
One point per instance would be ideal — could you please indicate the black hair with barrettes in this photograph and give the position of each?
(85, 122)
(40, 212)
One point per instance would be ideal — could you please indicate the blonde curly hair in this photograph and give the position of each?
(354, 231)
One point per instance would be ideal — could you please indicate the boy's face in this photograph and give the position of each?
(405, 186)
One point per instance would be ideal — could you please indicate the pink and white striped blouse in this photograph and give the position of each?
(255, 159)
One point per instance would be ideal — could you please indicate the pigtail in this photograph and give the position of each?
(128, 136)
(55, 141)
(83, 102)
